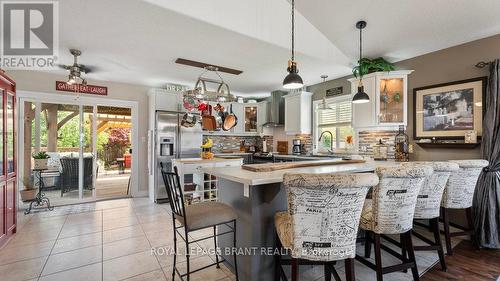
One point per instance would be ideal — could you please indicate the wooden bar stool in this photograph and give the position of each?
(458, 194)
(321, 223)
(428, 205)
(195, 217)
(390, 211)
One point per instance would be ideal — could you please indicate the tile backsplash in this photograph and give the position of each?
(232, 143)
(367, 139)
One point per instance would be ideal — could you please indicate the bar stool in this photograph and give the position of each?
(390, 211)
(196, 217)
(428, 205)
(321, 223)
(458, 194)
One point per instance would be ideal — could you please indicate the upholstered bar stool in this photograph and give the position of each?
(458, 194)
(429, 203)
(196, 217)
(390, 211)
(321, 223)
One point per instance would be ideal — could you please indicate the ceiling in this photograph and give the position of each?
(137, 41)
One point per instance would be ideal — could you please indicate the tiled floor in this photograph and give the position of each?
(109, 240)
(113, 240)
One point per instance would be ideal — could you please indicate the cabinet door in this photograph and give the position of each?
(3, 225)
(261, 116)
(10, 205)
(250, 118)
(363, 114)
(10, 136)
(392, 101)
(292, 114)
(238, 110)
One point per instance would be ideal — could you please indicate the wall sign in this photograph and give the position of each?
(335, 91)
(175, 87)
(78, 88)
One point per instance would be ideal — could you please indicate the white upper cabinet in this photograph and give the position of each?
(298, 113)
(388, 106)
(251, 117)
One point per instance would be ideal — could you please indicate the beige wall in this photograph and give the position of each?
(452, 64)
(45, 82)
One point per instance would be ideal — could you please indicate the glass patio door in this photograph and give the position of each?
(66, 132)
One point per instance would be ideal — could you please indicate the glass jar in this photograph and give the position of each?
(401, 142)
(380, 151)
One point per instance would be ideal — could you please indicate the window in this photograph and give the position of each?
(334, 116)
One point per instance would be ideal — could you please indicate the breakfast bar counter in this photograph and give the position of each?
(256, 197)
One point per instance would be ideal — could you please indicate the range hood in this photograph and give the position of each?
(276, 110)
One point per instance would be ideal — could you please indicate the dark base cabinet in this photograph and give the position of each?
(8, 175)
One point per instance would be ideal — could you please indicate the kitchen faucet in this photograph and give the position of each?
(331, 139)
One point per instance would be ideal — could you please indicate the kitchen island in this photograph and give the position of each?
(256, 197)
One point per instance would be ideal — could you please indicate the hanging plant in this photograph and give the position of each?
(366, 66)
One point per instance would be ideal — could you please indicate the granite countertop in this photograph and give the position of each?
(232, 153)
(237, 174)
(199, 160)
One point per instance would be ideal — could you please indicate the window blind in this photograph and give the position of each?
(338, 114)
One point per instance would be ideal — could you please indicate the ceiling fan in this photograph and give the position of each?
(76, 69)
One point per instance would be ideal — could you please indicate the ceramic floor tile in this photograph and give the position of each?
(77, 242)
(26, 238)
(156, 275)
(120, 222)
(79, 229)
(125, 247)
(24, 252)
(129, 266)
(122, 233)
(73, 259)
(92, 272)
(158, 239)
(22, 270)
(211, 273)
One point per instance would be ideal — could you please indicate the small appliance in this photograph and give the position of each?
(297, 147)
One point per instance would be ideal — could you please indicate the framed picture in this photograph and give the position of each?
(448, 111)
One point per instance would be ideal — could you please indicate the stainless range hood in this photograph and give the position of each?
(276, 110)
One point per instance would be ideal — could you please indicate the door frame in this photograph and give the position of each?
(59, 98)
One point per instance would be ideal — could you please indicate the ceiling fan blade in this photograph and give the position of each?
(63, 66)
(87, 69)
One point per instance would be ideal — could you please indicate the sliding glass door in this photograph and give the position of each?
(89, 148)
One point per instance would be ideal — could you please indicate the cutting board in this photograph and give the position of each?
(269, 167)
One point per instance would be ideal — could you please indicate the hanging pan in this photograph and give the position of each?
(230, 121)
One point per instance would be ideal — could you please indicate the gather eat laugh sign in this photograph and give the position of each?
(79, 88)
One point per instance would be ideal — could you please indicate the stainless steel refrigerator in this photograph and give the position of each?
(172, 141)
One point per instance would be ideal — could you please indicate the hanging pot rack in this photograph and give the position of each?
(200, 91)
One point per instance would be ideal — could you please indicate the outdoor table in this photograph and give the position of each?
(40, 198)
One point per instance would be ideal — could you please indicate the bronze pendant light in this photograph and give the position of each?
(360, 96)
(293, 79)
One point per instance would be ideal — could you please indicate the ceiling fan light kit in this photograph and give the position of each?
(76, 70)
(293, 79)
(360, 96)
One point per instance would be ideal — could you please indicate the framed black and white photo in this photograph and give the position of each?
(448, 111)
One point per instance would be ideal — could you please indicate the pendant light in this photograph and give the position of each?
(360, 96)
(293, 80)
(324, 107)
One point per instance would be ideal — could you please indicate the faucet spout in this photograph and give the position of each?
(331, 139)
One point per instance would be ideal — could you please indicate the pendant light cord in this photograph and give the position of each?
(360, 51)
(293, 30)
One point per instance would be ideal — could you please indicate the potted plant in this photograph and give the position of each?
(41, 158)
(29, 191)
(366, 65)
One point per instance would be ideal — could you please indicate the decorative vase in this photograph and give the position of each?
(40, 164)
